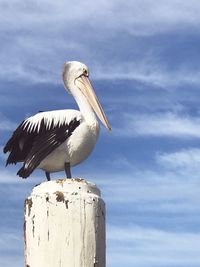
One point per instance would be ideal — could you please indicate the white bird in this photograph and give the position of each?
(56, 140)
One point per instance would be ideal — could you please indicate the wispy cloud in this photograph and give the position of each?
(185, 158)
(119, 161)
(137, 17)
(2, 155)
(10, 255)
(69, 26)
(8, 176)
(161, 124)
(6, 124)
(144, 247)
(150, 70)
(154, 191)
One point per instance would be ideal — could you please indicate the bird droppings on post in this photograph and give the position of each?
(66, 204)
(33, 229)
(67, 215)
(38, 241)
(103, 213)
(29, 203)
(48, 234)
(60, 196)
(60, 181)
(25, 236)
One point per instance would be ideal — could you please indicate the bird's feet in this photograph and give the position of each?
(68, 170)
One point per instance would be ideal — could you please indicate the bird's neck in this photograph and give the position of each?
(86, 109)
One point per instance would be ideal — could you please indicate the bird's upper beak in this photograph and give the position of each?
(85, 86)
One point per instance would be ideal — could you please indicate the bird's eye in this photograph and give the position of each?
(85, 72)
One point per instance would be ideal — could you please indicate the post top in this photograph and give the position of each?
(71, 186)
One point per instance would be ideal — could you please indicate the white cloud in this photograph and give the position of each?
(143, 190)
(149, 70)
(6, 124)
(11, 248)
(186, 158)
(47, 33)
(2, 155)
(155, 191)
(8, 176)
(9, 240)
(136, 17)
(161, 124)
(140, 246)
(119, 161)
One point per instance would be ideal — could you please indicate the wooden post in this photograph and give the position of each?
(64, 225)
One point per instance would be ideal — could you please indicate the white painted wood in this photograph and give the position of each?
(65, 225)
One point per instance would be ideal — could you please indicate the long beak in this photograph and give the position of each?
(85, 86)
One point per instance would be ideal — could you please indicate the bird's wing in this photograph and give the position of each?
(39, 135)
(45, 144)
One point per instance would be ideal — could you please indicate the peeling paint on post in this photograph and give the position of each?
(64, 225)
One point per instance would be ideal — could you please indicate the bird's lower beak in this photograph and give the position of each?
(85, 86)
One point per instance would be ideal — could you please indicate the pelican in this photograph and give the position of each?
(56, 140)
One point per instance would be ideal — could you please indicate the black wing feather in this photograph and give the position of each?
(33, 147)
(19, 144)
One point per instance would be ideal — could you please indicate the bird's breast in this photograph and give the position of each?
(74, 150)
(81, 142)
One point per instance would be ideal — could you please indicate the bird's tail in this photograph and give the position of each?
(24, 172)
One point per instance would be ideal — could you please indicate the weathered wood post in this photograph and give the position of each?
(65, 225)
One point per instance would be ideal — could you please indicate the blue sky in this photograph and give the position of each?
(144, 59)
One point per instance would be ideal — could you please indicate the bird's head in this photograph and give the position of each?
(71, 71)
(76, 77)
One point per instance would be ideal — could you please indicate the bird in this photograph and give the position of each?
(57, 140)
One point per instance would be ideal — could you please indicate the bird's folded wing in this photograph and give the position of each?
(45, 144)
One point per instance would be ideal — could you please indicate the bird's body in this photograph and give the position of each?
(55, 140)
(76, 147)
